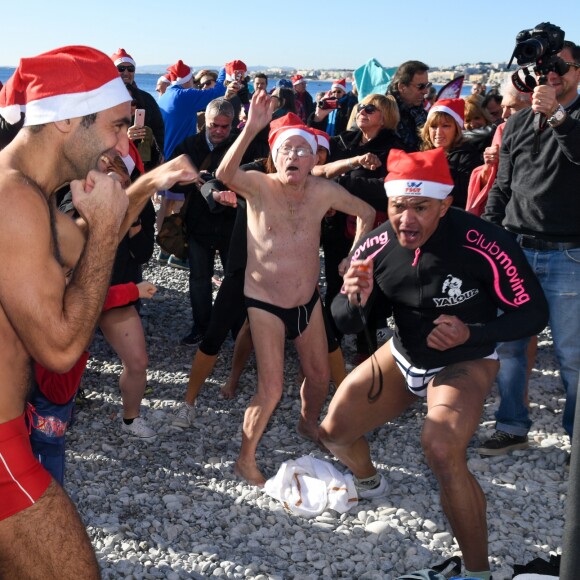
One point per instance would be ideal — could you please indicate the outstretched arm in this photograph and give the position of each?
(178, 170)
(229, 172)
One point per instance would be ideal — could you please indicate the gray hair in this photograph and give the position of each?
(507, 88)
(220, 106)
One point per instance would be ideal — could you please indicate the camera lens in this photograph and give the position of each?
(530, 50)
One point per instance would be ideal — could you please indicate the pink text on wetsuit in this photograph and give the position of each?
(381, 239)
(497, 257)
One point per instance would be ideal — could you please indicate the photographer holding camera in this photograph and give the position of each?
(535, 196)
(333, 111)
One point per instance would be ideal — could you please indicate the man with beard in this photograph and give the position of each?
(77, 111)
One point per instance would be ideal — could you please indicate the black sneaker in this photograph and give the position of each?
(501, 443)
(192, 338)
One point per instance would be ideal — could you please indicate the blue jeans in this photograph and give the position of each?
(559, 275)
(201, 269)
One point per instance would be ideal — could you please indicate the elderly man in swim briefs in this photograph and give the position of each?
(285, 210)
(445, 273)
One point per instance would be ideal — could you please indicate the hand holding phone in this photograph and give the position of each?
(139, 118)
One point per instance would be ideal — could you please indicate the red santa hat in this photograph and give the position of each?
(64, 83)
(122, 56)
(165, 79)
(422, 174)
(235, 70)
(298, 79)
(453, 107)
(180, 73)
(288, 126)
(339, 84)
(322, 138)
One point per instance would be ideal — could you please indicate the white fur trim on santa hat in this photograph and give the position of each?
(121, 56)
(323, 141)
(129, 163)
(417, 188)
(11, 113)
(69, 106)
(285, 134)
(163, 79)
(126, 59)
(183, 80)
(444, 109)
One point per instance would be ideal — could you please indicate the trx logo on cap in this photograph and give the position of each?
(413, 187)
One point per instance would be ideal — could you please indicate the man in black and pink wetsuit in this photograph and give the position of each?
(445, 273)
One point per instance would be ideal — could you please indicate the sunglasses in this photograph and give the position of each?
(129, 68)
(368, 109)
(207, 83)
(561, 67)
(421, 86)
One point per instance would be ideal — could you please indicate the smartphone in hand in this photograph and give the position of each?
(139, 118)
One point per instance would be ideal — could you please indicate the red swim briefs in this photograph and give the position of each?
(22, 479)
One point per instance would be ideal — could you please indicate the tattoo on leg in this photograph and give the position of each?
(454, 371)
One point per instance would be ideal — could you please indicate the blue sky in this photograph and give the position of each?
(299, 33)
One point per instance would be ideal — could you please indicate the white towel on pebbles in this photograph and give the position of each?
(308, 486)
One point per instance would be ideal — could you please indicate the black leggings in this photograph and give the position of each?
(228, 312)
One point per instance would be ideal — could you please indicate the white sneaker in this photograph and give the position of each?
(183, 415)
(379, 491)
(139, 429)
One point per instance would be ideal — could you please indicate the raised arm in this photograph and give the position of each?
(246, 183)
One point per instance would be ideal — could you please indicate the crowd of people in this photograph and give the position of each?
(456, 217)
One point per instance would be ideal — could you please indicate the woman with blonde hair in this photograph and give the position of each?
(475, 115)
(444, 128)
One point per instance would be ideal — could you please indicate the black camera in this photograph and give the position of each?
(538, 44)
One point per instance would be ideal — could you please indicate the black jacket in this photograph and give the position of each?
(363, 183)
(153, 118)
(411, 120)
(203, 225)
(539, 195)
(462, 161)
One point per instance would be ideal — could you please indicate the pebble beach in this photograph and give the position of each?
(173, 508)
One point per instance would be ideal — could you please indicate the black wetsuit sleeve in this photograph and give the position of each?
(524, 315)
